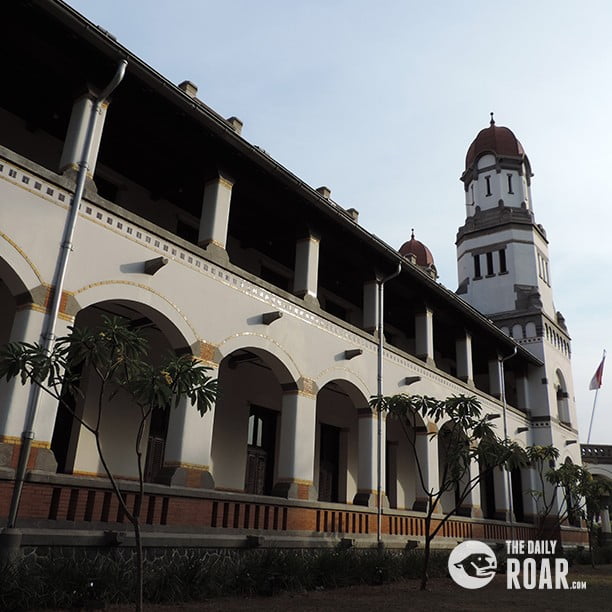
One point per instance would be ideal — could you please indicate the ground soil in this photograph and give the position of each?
(443, 594)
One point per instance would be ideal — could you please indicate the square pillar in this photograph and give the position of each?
(472, 502)
(463, 349)
(522, 392)
(215, 213)
(187, 456)
(297, 446)
(502, 494)
(73, 151)
(306, 277)
(370, 306)
(367, 470)
(424, 342)
(16, 399)
(494, 378)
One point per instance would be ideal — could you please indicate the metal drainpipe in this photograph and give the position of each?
(502, 388)
(379, 393)
(49, 333)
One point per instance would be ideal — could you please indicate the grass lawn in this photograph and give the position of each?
(443, 594)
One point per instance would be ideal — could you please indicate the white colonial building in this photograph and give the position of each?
(211, 246)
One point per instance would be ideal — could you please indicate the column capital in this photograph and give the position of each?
(221, 177)
(207, 353)
(304, 386)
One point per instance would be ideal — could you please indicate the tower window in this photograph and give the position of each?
(472, 191)
(477, 271)
(502, 261)
(510, 184)
(488, 183)
(489, 263)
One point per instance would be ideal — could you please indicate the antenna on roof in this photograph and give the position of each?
(492, 120)
(412, 236)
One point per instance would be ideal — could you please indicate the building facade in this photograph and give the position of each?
(211, 247)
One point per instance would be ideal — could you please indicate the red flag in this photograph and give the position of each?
(597, 379)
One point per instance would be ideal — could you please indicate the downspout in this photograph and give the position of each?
(502, 389)
(379, 394)
(49, 332)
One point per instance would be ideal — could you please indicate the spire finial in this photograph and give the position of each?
(412, 235)
(492, 120)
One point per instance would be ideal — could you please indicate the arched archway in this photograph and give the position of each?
(337, 462)
(246, 431)
(562, 397)
(75, 447)
(406, 442)
(453, 473)
(12, 289)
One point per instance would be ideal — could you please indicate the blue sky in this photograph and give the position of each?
(380, 101)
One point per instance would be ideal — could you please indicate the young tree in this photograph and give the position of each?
(465, 437)
(567, 492)
(118, 356)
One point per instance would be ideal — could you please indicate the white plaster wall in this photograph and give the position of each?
(496, 294)
(206, 302)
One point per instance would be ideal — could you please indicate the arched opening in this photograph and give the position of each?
(336, 443)
(454, 473)
(562, 397)
(572, 504)
(246, 428)
(73, 445)
(403, 446)
(11, 288)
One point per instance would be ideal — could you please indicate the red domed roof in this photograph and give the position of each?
(497, 140)
(419, 250)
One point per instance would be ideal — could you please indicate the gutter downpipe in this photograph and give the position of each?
(379, 394)
(502, 388)
(66, 248)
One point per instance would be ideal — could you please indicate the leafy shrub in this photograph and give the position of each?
(65, 579)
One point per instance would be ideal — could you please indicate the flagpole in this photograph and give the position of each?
(596, 384)
(592, 415)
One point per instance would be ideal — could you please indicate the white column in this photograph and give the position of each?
(370, 305)
(502, 494)
(424, 342)
(427, 453)
(463, 349)
(522, 391)
(306, 278)
(367, 470)
(494, 382)
(72, 153)
(297, 444)
(15, 397)
(187, 457)
(605, 521)
(530, 483)
(473, 499)
(215, 212)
